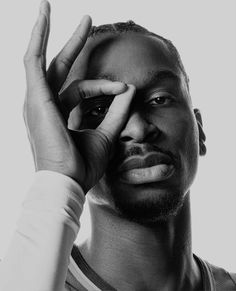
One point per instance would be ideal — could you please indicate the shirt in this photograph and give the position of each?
(41, 256)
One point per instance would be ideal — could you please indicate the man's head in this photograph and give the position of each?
(156, 154)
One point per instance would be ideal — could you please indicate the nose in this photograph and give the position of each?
(138, 129)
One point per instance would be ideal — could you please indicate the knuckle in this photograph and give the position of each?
(78, 36)
(30, 59)
(37, 34)
(82, 39)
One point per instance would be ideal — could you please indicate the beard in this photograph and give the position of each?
(150, 208)
(146, 204)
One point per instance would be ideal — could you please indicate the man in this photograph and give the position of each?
(112, 119)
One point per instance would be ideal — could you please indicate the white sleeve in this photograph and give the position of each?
(38, 256)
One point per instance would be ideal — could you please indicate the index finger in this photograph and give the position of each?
(80, 90)
(60, 66)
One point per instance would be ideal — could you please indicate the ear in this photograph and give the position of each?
(202, 136)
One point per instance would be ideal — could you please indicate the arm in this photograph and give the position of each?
(38, 256)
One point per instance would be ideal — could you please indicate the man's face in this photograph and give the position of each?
(155, 156)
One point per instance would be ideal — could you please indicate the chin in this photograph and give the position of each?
(147, 204)
(150, 203)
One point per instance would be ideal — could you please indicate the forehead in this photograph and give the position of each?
(128, 57)
(131, 58)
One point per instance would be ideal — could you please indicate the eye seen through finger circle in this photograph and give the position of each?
(99, 111)
(96, 107)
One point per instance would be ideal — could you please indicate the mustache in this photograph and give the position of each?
(140, 150)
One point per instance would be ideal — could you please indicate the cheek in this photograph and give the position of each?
(178, 126)
(183, 136)
(179, 132)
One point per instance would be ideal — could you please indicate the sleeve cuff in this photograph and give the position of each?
(57, 193)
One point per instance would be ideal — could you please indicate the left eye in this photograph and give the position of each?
(161, 100)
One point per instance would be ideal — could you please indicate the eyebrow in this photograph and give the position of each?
(156, 77)
(150, 78)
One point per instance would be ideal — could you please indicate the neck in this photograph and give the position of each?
(131, 256)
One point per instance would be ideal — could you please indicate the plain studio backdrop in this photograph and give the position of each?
(204, 32)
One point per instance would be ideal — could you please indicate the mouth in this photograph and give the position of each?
(154, 167)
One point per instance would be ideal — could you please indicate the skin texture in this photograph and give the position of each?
(150, 218)
(134, 245)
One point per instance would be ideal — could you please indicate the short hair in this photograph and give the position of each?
(131, 26)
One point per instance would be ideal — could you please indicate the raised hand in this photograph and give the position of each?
(81, 155)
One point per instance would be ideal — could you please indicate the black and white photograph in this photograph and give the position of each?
(118, 145)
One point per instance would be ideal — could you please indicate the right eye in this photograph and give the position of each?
(98, 111)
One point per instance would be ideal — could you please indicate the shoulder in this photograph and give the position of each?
(215, 278)
(224, 280)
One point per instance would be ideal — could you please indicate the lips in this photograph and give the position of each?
(146, 161)
(149, 168)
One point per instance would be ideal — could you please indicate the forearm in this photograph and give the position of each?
(38, 257)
